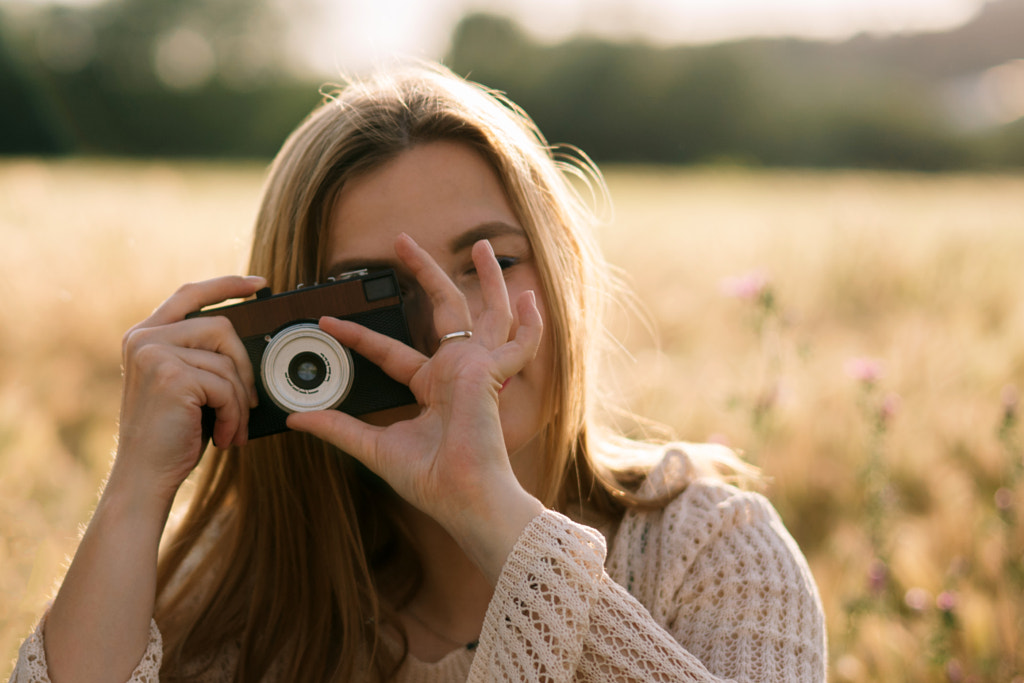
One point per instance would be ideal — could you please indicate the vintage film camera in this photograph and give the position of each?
(299, 367)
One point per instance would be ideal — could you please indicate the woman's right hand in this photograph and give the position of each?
(172, 368)
(98, 627)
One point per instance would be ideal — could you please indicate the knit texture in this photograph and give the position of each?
(711, 587)
(31, 666)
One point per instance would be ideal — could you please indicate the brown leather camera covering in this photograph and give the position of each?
(266, 315)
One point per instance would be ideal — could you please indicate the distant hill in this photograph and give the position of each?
(994, 36)
(877, 101)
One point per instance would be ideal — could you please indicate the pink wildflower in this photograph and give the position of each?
(748, 287)
(878, 576)
(888, 408)
(946, 601)
(890, 405)
(1011, 399)
(917, 599)
(862, 369)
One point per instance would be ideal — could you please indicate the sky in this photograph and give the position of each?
(343, 35)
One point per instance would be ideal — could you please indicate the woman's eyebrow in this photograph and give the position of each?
(484, 231)
(460, 242)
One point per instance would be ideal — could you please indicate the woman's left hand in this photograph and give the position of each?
(450, 461)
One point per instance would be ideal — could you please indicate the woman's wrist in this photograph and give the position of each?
(489, 534)
(130, 494)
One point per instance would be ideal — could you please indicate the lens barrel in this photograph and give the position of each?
(304, 369)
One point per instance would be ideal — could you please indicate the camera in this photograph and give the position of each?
(298, 366)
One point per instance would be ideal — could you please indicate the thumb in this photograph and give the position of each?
(351, 435)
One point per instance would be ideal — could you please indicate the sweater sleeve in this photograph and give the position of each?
(710, 607)
(31, 665)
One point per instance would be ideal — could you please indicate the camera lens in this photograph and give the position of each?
(304, 368)
(307, 370)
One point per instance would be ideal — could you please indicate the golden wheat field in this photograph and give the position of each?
(859, 336)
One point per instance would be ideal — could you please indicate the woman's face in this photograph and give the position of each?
(446, 196)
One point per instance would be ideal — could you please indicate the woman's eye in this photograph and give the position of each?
(505, 262)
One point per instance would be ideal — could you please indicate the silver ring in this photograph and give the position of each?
(454, 335)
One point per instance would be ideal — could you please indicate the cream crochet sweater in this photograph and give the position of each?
(711, 587)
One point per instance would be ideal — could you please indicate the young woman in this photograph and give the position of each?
(463, 538)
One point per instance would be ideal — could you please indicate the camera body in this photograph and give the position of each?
(299, 367)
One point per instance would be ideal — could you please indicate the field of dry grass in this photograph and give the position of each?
(860, 336)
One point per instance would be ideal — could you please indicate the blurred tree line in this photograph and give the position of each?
(147, 77)
(915, 102)
(193, 78)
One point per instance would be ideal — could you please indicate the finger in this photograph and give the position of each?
(512, 356)
(214, 334)
(398, 360)
(161, 377)
(222, 367)
(171, 375)
(495, 320)
(231, 426)
(196, 295)
(451, 312)
(348, 433)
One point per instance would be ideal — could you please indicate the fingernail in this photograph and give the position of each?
(257, 280)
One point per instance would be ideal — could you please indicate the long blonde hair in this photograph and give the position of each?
(307, 541)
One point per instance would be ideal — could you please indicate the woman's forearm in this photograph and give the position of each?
(98, 627)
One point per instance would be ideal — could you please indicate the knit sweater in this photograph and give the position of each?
(710, 587)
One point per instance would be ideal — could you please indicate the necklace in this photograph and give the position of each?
(471, 645)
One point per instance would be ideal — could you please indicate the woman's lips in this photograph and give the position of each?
(504, 384)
